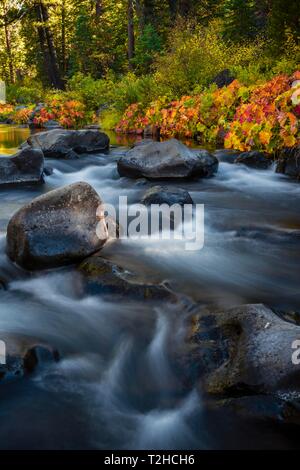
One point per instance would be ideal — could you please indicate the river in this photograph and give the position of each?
(116, 385)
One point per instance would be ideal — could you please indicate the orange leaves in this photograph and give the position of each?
(21, 116)
(6, 111)
(264, 118)
(265, 137)
(69, 114)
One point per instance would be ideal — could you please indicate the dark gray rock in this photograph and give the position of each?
(223, 78)
(69, 144)
(245, 351)
(167, 160)
(254, 159)
(24, 356)
(55, 229)
(106, 278)
(289, 162)
(52, 125)
(26, 166)
(48, 171)
(163, 195)
(226, 155)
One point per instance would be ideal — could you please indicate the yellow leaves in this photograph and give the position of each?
(261, 117)
(265, 137)
(289, 140)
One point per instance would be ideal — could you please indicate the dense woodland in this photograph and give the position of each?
(101, 56)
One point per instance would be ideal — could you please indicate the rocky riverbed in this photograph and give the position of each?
(144, 344)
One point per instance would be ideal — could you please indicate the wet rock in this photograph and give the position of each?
(55, 229)
(24, 356)
(48, 171)
(167, 160)
(51, 124)
(3, 285)
(226, 155)
(25, 167)
(263, 408)
(244, 351)
(69, 144)
(254, 159)
(289, 162)
(39, 355)
(92, 126)
(163, 195)
(104, 277)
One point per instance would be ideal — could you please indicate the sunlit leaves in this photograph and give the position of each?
(265, 117)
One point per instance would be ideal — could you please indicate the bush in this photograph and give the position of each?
(24, 94)
(6, 111)
(93, 93)
(264, 117)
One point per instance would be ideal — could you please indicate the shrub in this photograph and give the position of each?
(265, 117)
(24, 94)
(6, 111)
(21, 116)
(69, 113)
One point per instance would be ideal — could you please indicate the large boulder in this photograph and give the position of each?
(245, 350)
(55, 229)
(254, 159)
(163, 160)
(289, 162)
(69, 144)
(26, 166)
(162, 195)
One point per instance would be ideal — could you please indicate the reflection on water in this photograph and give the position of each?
(11, 137)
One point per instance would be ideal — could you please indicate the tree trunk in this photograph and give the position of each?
(63, 37)
(47, 46)
(185, 7)
(173, 8)
(8, 45)
(131, 39)
(99, 8)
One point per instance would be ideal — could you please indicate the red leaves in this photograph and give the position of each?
(263, 118)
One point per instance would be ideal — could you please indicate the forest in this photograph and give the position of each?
(135, 64)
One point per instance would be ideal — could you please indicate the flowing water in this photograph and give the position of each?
(117, 385)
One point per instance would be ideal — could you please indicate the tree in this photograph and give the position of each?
(131, 39)
(284, 16)
(47, 45)
(239, 19)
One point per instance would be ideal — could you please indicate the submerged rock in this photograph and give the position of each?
(162, 195)
(289, 162)
(69, 144)
(226, 155)
(23, 356)
(104, 277)
(55, 229)
(25, 167)
(164, 160)
(254, 159)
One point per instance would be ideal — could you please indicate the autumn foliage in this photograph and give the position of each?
(67, 113)
(264, 117)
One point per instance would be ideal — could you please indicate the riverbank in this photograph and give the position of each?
(262, 117)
